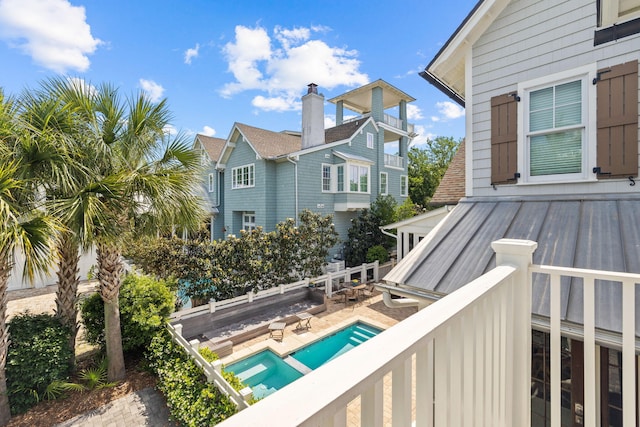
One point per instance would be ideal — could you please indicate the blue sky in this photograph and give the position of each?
(220, 62)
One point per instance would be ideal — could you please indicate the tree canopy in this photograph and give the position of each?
(427, 166)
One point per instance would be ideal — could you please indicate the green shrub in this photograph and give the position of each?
(191, 399)
(38, 360)
(208, 354)
(377, 253)
(145, 306)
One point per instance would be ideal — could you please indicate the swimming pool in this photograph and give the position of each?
(265, 372)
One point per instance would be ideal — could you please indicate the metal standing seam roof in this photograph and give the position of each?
(600, 232)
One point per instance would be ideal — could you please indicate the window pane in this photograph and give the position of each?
(353, 178)
(340, 178)
(556, 153)
(541, 109)
(364, 179)
(326, 178)
(569, 104)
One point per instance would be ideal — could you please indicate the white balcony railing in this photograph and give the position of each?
(393, 161)
(469, 353)
(465, 360)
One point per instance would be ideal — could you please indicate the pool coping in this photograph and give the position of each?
(293, 342)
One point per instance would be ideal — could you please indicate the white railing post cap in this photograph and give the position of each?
(514, 246)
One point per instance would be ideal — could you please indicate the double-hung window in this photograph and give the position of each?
(370, 140)
(616, 11)
(326, 178)
(404, 186)
(358, 179)
(383, 183)
(243, 176)
(558, 132)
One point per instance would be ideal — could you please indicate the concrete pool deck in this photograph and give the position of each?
(337, 316)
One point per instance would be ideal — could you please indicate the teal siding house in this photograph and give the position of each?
(258, 177)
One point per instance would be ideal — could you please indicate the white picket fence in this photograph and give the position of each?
(329, 281)
(213, 371)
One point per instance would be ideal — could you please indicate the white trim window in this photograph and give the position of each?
(370, 140)
(557, 127)
(248, 221)
(211, 183)
(326, 178)
(384, 177)
(243, 176)
(404, 185)
(358, 178)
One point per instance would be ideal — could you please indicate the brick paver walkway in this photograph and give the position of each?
(142, 408)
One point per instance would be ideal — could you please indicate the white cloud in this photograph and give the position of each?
(276, 103)
(435, 118)
(251, 46)
(153, 89)
(170, 130)
(287, 37)
(422, 137)
(283, 64)
(208, 131)
(53, 33)
(329, 121)
(414, 112)
(449, 110)
(191, 53)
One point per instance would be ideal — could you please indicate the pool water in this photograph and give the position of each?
(320, 352)
(265, 372)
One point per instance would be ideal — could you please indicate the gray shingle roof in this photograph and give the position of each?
(600, 232)
(213, 146)
(268, 143)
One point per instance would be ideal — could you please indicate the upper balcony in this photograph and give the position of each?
(393, 123)
(393, 161)
(465, 360)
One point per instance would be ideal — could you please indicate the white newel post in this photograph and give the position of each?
(519, 254)
(178, 328)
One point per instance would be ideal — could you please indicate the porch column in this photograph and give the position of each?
(519, 254)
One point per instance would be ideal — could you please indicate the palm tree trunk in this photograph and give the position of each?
(67, 293)
(109, 275)
(5, 270)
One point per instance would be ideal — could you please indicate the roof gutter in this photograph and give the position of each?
(440, 85)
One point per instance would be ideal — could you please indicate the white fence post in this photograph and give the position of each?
(281, 288)
(246, 394)
(178, 328)
(212, 306)
(195, 344)
(363, 273)
(329, 287)
(519, 254)
(217, 366)
(250, 296)
(376, 272)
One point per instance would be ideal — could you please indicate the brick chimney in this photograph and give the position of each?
(312, 118)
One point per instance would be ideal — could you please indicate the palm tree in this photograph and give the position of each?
(52, 149)
(140, 179)
(24, 224)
